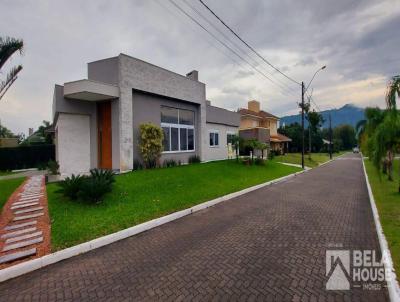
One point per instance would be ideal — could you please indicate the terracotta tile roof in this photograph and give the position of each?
(262, 113)
(280, 138)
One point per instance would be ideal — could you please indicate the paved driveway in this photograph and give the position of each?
(266, 245)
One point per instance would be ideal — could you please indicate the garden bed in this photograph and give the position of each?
(147, 194)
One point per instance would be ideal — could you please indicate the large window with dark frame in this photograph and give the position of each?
(178, 127)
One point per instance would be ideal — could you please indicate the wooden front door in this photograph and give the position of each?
(104, 135)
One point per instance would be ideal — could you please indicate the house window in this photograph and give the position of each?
(230, 137)
(214, 138)
(178, 128)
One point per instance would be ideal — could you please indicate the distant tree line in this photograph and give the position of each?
(343, 137)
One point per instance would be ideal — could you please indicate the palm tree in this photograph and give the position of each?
(8, 46)
(386, 138)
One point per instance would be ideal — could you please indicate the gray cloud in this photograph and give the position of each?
(357, 40)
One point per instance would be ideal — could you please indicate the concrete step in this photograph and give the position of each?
(24, 205)
(17, 203)
(24, 237)
(19, 232)
(34, 209)
(20, 225)
(18, 218)
(22, 244)
(17, 255)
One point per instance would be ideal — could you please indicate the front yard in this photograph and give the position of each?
(7, 187)
(387, 201)
(316, 158)
(144, 195)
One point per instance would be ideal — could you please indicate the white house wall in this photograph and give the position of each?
(73, 143)
(220, 152)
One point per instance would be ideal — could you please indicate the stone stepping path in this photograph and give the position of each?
(24, 223)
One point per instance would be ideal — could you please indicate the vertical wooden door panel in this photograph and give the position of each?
(104, 135)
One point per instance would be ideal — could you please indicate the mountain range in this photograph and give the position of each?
(348, 114)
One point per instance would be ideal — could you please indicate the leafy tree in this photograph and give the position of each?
(385, 140)
(42, 132)
(5, 132)
(8, 46)
(315, 121)
(151, 137)
(293, 131)
(346, 135)
(236, 141)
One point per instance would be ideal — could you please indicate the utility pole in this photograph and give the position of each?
(330, 136)
(302, 124)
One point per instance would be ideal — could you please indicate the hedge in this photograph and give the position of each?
(24, 157)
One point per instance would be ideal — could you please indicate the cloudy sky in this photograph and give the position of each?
(358, 40)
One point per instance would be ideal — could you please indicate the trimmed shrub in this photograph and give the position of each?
(88, 188)
(194, 159)
(93, 189)
(53, 167)
(23, 157)
(71, 186)
(151, 146)
(168, 163)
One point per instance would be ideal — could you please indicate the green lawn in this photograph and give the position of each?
(3, 173)
(143, 195)
(7, 187)
(316, 158)
(387, 200)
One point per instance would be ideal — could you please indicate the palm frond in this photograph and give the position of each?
(393, 89)
(8, 46)
(11, 77)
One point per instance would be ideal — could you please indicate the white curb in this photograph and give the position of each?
(393, 285)
(31, 265)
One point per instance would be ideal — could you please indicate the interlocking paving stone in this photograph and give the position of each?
(20, 225)
(24, 237)
(34, 209)
(20, 206)
(22, 244)
(18, 218)
(267, 245)
(17, 233)
(16, 256)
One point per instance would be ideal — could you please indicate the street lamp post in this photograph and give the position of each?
(303, 91)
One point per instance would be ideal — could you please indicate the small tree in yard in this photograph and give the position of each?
(261, 146)
(151, 137)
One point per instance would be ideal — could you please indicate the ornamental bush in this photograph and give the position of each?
(151, 137)
(88, 188)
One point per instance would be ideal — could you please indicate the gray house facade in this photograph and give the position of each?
(97, 119)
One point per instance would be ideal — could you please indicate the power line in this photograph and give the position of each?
(231, 41)
(252, 49)
(227, 46)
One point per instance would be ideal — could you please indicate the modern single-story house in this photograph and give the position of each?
(97, 119)
(263, 126)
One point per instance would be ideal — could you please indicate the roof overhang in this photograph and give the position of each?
(88, 90)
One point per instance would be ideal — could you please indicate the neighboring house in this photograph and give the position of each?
(263, 126)
(8, 142)
(96, 120)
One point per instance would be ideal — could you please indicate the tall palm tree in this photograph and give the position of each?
(8, 46)
(386, 139)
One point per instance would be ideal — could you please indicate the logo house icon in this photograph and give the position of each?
(338, 269)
